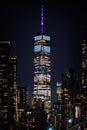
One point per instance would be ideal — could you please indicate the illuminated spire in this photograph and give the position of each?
(42, 19)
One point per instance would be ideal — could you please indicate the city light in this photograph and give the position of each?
(44, 87)
(70, 120)
(49, 128)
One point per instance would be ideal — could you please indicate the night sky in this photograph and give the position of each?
(65, 22)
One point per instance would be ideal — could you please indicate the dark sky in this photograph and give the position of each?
(65, 22)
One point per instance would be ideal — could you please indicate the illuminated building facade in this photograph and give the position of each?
(4, 81)
(7, 84)
(12, 87)
(67, 106)
(55, 118)
(42, 68)
(33, 119)
(84, 81)
(22, 96)
(61, 111)
(59, 91)
(84, 64)
(22, 99)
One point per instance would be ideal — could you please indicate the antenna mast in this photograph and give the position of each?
(42, 19)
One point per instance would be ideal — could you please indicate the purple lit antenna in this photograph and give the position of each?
(42, 19)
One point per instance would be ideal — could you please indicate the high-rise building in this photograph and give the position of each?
(4, 80)
(33, 119)
(84, 64)
(67, 107)
(59, 91)
(7, 84)
(22, 96)
(42, 68)
(13, 87)
(22, 99)
(83, 96)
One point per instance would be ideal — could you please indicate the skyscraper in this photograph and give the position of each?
(4, 81)
(12, 87)
(59, 91)
(7, 83)
(84, 64)
(22, 99)
(22, 96)
(84, 81)
(42, 67)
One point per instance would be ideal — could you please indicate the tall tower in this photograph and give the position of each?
(84, 80)
(42, 67)
(22, 99)
(4, 80)
(12, 88)
(84, 64)
(7, 84)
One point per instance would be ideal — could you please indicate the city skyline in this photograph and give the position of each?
(63, 22)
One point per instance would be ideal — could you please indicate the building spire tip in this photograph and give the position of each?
(42, 18)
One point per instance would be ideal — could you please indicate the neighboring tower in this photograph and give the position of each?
(4, 80)
(7, 84)
(22, 99)
(59, 91)
(22, 96)
(12, 88)
(42, 68)
(66, 100)
(84, 64)
(33, 119)
(84, 81)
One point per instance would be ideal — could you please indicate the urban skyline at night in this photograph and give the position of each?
(65, 34)
(43, 65)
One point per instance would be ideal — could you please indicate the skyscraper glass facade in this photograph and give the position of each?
(42, 70)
